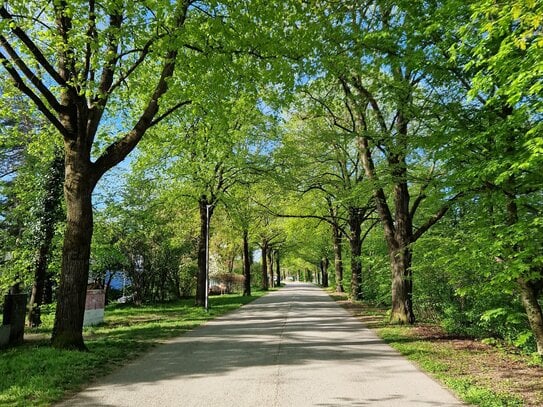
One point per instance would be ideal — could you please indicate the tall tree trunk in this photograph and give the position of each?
(265, 265)
(398, 232)
(402, 287)
(107, 285)
(270, 266)
(338, 258)
(48, 218)
(401, 253)
(78, 187)
(48, 289)
(355, 244)
(231, 261)
(529, 295)
(324, 269)
(246, 264)
(529, 290)
(278, 268)
(202, 254)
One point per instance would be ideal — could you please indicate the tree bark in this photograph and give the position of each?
(278, 268)
(264, 256)
(529, 290)
(401, 255)
(324, 268)
(270, 267)
(355, 244)
(338, 258)
(398, 232)
(246, 264)
(529, 295)
(402, 287)
(78, 187)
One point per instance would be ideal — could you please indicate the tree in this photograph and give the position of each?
(375, 55)
(241, 212)
(323, 161)
(32, 173)
(212, 156)
(95, 53)
(504, 77)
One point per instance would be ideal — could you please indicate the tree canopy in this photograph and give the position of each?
(400, 142)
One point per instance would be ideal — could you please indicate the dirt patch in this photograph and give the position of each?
(500, 369)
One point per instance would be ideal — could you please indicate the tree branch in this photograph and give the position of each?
(169, 111)
(143, 54)
(40, 58)
(335, 120)
(357, 83)
(117, 151)
(434, 218)
(19, 84)
(104, 89)
(92, 34)
(16, 59)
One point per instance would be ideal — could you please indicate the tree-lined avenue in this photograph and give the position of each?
(293, 347)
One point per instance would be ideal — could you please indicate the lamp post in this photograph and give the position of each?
(206, 302)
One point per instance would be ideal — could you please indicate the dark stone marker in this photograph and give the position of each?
(14, 316)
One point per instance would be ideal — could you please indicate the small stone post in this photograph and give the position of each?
(13, 318)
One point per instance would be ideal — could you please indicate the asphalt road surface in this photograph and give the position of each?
(293, 347)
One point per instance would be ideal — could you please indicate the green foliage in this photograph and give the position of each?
(281, 96)
(27, 153)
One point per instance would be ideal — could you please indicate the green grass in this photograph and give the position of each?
(447, 366)
(34, 374)
(455, 367)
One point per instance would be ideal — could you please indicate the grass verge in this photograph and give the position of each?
(478, 374)
(34, 374)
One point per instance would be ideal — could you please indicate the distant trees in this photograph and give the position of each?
(298, 127)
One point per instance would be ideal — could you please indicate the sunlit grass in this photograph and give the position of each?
(36, 374)
(450, 366)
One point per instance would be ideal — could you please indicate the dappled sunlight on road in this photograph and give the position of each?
(293, 347)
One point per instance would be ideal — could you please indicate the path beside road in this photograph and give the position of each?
(294, 347)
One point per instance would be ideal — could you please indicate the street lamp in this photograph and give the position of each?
(206, 302)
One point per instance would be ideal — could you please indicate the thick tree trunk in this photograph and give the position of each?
(529, 295)
(324, 268)
(270, 267)
(529, 290)
(402, 287)
(278, 268)
(398, 230)
(355, 244)
(107, 286)
(78, 186)
(202, 254)
(265, 285)
(246, 265)
(400, 254)
(338, 258)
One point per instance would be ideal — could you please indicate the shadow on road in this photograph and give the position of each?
(290, 331)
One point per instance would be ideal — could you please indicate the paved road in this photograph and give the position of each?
(293, 347)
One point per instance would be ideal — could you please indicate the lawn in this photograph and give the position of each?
(34, 374)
